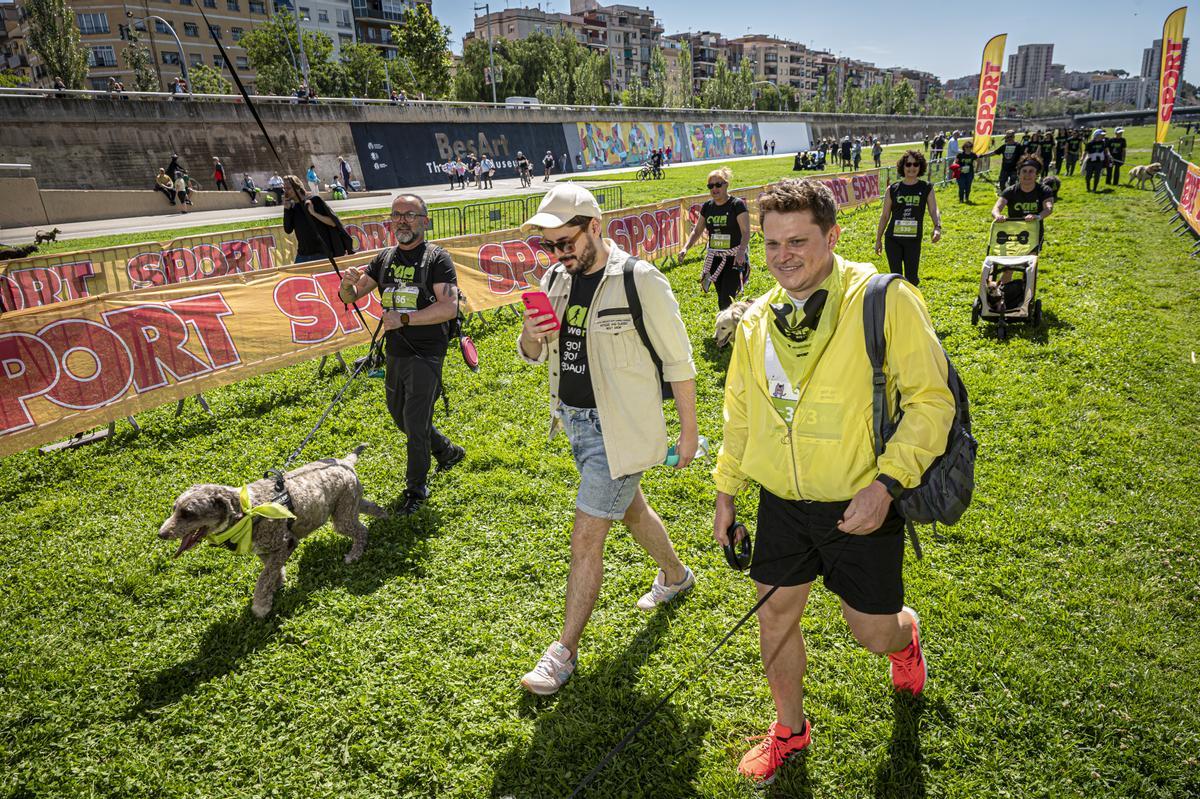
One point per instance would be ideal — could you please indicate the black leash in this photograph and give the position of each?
(828, 538)
(328, 252)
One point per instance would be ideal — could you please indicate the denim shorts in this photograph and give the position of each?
(599, 494)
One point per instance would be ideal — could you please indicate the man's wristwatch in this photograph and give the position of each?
(891, 484)
(404, 319)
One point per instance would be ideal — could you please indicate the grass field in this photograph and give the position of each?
(1060, 616)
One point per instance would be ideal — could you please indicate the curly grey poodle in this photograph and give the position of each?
(324, 490)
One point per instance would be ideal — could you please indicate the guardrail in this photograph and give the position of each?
(487, 217)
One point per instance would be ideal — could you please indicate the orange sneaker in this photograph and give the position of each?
(761, 763)
(909, 671)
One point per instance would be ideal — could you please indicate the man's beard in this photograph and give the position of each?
(405, 236)
(585, 259)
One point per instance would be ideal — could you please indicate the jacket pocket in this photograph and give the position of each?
(616, 336)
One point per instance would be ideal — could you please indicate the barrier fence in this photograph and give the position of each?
(184, 326)
(1179, 191)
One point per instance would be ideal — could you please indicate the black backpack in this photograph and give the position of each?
(947, 485)
(639, 323)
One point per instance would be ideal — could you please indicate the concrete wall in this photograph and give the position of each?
(120, 144)
(21, 204)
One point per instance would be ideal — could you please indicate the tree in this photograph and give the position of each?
(904, 99)
(591, 77)
(140, 60)
(10, 79)
(272, 51)
(657, 90)
(206, 80)
(54, 36)
(728, 88)
(425, 43)
(364, 70)
(681, 93)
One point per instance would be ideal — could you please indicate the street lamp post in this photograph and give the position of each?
(491, 55)
(773, 86)
(300, 37)
(179, 44)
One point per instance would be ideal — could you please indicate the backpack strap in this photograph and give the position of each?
(874, 310)
(639, 323)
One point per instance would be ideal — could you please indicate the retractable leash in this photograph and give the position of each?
(278, 474)
(692, 675)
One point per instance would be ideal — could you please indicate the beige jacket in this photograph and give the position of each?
(628, 392)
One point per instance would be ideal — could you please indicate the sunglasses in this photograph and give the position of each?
(712, 186)
(565, 245)
(407, 216)
(913, 164)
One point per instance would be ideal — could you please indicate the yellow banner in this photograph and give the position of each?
(78, 363)
(989, 94)
(1169, 70)
(47, 279)
(1189, 197)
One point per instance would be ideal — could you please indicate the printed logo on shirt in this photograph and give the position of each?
(577, 317)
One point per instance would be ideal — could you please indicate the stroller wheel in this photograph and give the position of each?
(975, 312)
(1037, 313)
(1002, 331)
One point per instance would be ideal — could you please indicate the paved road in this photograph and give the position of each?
(250, 214)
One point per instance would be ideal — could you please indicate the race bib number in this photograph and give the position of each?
(719, 241)
(905, 228)
(400, 298)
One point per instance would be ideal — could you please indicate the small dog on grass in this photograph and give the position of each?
(1142, 174)
(46, 235)
(324, 490)
(727, 322)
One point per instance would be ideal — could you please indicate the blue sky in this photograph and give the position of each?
(1098, 34)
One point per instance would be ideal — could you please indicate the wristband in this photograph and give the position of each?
(891, 484)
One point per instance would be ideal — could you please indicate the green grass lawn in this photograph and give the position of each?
(1060, 617)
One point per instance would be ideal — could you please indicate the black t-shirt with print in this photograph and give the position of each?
(574, 381)
(908, 209)
(1095, 148)
(1047, 150)
(1019, 203)
(966, 162)
(1009, 152)
(720, 221)
(401, 288)
(1116, 148)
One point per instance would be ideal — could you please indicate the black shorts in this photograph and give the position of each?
(796, 541)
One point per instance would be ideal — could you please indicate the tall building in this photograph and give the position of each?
(1136, 92)
(334, 18)
(103, 28)
(626, 34)
(13, 53)
(707, 49)
(1029, 71)
(515, 24)
(1152, 60)
(373, 21)
(784, 63)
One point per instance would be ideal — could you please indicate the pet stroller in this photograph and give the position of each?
(1008, 280)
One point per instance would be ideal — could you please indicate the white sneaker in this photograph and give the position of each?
(554, 669)
(660, 593)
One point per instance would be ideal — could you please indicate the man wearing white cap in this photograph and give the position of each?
(606, 393)
(1116, 151)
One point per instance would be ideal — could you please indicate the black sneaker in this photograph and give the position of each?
(456, 456)
(411, 502)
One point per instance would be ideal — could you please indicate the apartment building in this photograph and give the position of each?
(373, 21)
(104, 27)
(707, 49)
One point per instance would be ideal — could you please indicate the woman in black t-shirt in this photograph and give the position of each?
(966, 171)
(309, 218)
(1027, 199)
(901, 221)
(1095, 158)
(727, 225)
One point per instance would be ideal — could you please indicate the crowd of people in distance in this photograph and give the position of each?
(174, 182)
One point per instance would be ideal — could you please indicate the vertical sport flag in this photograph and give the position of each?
(989, 94)
(1168, 70)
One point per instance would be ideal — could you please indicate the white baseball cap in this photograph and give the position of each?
(561, 204)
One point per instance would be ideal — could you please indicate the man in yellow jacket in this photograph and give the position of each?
(798, 405)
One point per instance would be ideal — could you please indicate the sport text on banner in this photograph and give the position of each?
(989, 94)
(1169, 70)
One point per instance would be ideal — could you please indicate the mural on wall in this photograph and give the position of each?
(611, 144)
(723, 139)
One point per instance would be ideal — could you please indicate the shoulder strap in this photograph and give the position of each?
(553, 277)
(635, 309)
(874, 310)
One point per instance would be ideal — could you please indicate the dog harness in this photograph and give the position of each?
(237, 537)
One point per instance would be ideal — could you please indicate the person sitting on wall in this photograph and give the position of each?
(164, 184)
(181, 191)
(250, 189)
(275, 187)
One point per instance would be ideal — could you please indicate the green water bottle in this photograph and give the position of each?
(701, 451)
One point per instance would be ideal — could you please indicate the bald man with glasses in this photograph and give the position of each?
(419, 290)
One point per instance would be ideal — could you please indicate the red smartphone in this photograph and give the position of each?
(538, 302)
